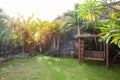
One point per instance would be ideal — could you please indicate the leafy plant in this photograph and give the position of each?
(111, 30)
(89, 10)
(73, 19)
(4, 32)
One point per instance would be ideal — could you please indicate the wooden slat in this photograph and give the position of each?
(94, 51)
(96, 59)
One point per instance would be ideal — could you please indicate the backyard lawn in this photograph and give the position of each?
(48, 68)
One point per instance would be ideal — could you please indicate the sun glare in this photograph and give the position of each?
(43, 9)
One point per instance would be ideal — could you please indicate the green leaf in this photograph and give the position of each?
(114, 41)
(119, 44)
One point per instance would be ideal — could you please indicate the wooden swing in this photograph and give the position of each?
(101, 55)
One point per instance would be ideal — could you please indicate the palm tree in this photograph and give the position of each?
(73, 19)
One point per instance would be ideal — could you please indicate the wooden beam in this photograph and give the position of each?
(88, 36)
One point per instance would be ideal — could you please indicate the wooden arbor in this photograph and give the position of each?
(92, 55)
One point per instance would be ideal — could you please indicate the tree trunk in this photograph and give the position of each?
(78, 30)
(96, 43)
(54, 43)
(58, 41)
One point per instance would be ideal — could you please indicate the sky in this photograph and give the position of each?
(43, 9)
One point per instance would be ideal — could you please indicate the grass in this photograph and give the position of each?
(49, 68)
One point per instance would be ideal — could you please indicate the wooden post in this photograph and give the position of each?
(107, 56)
(79, 56)
(82, 49)
(107, 52)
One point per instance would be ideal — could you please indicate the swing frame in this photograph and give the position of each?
(102, 55)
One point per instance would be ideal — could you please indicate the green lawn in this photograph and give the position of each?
(48, 68)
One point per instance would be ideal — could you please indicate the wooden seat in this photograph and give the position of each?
(96, 59)
(94, 55)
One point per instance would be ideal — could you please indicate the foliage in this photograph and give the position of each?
(111, 29)
(55, 35)
(4, 32)
(30, 34)
(89, 10)
(21, 33)
(35, 34)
